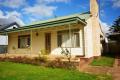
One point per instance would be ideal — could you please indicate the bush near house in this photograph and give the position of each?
(15, 71)
(42, 61)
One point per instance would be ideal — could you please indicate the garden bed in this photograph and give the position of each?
(42, 61)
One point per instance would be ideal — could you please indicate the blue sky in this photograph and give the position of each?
(27, 11)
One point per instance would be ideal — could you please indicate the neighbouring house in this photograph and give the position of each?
(80, 34)
(4, 38)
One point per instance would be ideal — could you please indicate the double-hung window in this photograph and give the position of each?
(24, 41)
(68, 38)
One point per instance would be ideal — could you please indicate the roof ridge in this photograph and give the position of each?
(58, 18)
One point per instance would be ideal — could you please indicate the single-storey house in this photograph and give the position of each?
(80, 34)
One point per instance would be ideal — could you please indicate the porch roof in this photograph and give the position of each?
(75, 18)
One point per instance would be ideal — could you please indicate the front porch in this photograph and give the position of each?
(49, 40)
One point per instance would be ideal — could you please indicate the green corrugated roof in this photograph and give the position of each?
(54, 22)
(83, 16)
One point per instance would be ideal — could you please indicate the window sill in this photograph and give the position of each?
(24, 48)
(69, 47)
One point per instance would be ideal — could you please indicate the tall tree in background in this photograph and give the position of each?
(115, 28)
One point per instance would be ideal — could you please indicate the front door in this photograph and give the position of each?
(48, 42)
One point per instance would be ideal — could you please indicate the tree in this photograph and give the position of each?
(115, 28)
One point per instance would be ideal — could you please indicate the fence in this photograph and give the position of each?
(114, 48)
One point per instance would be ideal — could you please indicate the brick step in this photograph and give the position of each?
(84, 62)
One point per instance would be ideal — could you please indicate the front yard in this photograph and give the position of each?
(16, 71)
(104, 60)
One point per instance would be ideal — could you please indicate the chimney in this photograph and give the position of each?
(94, 8)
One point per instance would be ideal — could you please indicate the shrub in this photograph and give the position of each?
(58, 63)
(44, 52)
(42, 61)
(66, 53)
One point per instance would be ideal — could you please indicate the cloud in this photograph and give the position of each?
(16, 19)
(13, 13)
(51, 1)
(23, 3)
(40, 10)
(105, 27)
(13, 3)
(13, 16)
(116, 3)
(1, 14)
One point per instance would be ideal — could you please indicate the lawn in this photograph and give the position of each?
(104, 61)
(16, 71)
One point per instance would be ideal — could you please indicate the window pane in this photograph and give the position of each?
(76, 40)
(28, 41)
(24, 41)
(59, 40)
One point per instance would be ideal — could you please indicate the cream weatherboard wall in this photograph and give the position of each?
(88, 33)
(38, 42)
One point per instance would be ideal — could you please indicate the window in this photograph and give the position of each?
(65, 39)
(76, 40)
(24, 41)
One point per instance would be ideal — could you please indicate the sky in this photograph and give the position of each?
(28, 11)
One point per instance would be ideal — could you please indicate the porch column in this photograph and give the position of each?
(31, 41)
(70, 37)
(84, 41)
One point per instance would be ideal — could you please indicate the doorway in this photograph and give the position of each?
(48, 42)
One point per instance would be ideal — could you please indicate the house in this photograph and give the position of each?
(80, 34)
(4, 38)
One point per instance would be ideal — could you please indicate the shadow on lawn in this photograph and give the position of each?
(109, 54)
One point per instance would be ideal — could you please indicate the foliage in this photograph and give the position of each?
(42, 61)
(116, 26)
(15, 71)
(44, 52)
(66, 53)
(58, 63)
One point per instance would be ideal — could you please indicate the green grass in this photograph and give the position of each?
(103, 61)
(15, 71)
